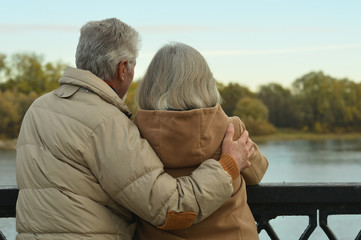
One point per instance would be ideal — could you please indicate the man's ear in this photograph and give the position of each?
(122, 69)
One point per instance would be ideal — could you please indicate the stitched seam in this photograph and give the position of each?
(67, 117)
(162, 204)
(94, 130)
(58, 113)
(136, 179)
(89, 85)
(255, 173)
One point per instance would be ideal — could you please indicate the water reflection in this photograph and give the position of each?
(314, 152)
(307, 161)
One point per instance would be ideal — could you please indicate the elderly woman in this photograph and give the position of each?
(181, 118)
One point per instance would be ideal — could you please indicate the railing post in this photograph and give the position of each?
(8, 197)
(324, 225)
(264, 224)
(312, 224)
(2, 237)
(358, 236)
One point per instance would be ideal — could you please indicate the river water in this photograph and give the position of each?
(290, 161)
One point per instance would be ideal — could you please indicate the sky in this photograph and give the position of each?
(252, 43)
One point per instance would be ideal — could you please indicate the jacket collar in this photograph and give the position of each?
(87, 80)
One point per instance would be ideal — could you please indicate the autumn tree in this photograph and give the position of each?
(28, 73)
(2, 61)
(328, 104)
(13, 104)
(3, 69)
(22, 79)
(130, 99)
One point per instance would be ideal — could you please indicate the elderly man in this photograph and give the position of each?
(83, 169)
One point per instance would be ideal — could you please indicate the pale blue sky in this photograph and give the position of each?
(248, 42)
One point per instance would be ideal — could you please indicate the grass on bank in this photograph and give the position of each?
(291, 134)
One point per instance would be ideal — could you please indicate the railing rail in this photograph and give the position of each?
(8, 197)
(268, 201)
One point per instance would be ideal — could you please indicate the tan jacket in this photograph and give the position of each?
(83, 170)
(183, 140)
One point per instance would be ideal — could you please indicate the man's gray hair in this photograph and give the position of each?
(103, 44)
(178, 78)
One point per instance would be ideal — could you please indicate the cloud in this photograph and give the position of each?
(281, 50)
(174, 29)
(164, 29)
(21, 28)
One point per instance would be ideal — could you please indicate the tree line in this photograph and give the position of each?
(315, 102)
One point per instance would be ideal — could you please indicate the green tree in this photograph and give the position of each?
(328, 104)
(312, 92)
(283, 112)
(345, 102)
(231, 94)
(254, 114)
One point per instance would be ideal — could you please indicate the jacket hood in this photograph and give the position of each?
(78, 78)
(183, 138)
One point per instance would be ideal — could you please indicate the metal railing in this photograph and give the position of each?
(268, 201)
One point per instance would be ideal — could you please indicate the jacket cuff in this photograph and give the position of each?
(178, 220)
(229, 165)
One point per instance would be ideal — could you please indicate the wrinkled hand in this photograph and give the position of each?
(240, 150)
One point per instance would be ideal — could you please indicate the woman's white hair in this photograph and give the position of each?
(103, 44)
(178, 78)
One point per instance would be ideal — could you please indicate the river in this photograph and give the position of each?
(290, 161)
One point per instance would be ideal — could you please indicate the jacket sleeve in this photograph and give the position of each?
(259, 163)
(131, 173)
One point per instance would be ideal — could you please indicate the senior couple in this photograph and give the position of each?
(85, 171)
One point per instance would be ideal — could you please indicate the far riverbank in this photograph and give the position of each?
(7, 144)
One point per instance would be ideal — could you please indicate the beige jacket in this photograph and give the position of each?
(83, 170)
(185, 139)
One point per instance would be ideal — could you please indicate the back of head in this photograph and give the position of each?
(103, 44)
(178, 78)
